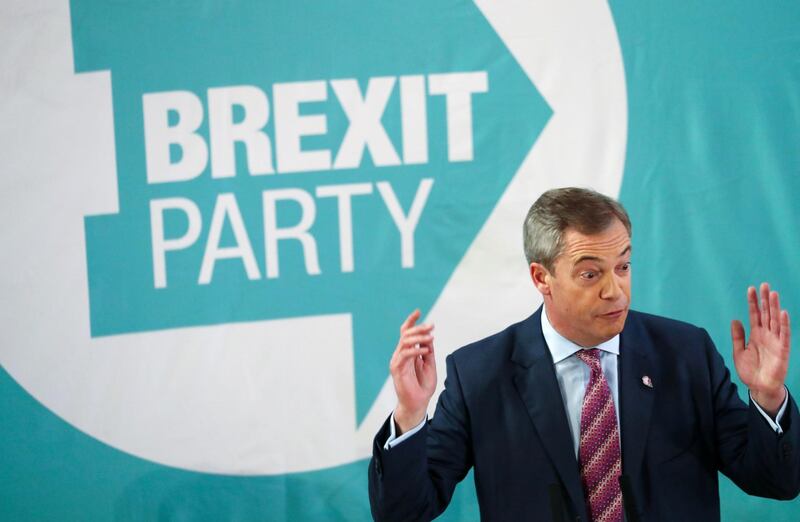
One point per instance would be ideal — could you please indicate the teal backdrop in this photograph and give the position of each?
(710, 176)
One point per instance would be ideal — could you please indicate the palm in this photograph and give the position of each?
(763, 361)
(416, 381)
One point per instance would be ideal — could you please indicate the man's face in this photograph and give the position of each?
(588, 293)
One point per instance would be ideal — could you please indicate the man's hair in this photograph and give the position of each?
(583, 210)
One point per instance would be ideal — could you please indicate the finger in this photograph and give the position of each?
(765, 305)
(786, 332)
(419, 365)
(403, 354)
(419, 329)
(411, 341)
(410, 320)
(429, 356)
(426, 364)
(752, 308)
(407, 355)
(737, 334)
(414, 351)
(426, 357)
(774, 313)
(413, 336)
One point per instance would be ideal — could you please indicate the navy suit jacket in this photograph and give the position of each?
(502, 413)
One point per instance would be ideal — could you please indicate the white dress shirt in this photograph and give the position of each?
(573, 374)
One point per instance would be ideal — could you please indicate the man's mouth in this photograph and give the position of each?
(614, 314)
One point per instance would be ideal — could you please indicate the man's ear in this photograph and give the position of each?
(541, 278)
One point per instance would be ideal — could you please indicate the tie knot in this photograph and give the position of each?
(591, 357)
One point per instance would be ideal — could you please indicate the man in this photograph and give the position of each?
(554, 410)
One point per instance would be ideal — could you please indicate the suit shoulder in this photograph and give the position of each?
(656, 323)
(671, 335)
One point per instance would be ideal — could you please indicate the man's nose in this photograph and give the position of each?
(611, 288)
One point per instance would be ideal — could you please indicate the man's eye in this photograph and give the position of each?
(588, 275)
(626, 266)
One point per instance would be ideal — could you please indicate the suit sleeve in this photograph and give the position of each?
(415, 479)
(756, 458)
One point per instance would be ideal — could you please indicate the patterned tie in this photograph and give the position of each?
(598, 452)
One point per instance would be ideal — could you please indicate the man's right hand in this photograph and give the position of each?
(413, 369)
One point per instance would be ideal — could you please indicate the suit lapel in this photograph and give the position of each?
(636, 398)
(535, 380)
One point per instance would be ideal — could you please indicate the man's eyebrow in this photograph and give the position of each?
(586, 258)
(595, 258)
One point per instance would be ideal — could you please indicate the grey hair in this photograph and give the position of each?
(584, 210)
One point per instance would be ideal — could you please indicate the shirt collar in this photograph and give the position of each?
(560, 347)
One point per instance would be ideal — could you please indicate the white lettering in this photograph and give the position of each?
(343, 195)
(161, 245)
(226, 207)
(224, 133)
(273, 234)
(414, 119)
(365, 129)
(406, 224)
(290, 126)
(458, 89)
(159, 136)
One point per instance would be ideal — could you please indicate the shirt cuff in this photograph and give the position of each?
(394, 440)
(776, 423)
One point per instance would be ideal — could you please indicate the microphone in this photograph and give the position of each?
(628, 499)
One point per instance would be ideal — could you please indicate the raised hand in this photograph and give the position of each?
(413, 369)
(762, 362)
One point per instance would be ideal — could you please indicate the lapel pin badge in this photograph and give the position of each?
(647, 381)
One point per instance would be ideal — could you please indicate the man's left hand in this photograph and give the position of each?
(762, 362)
